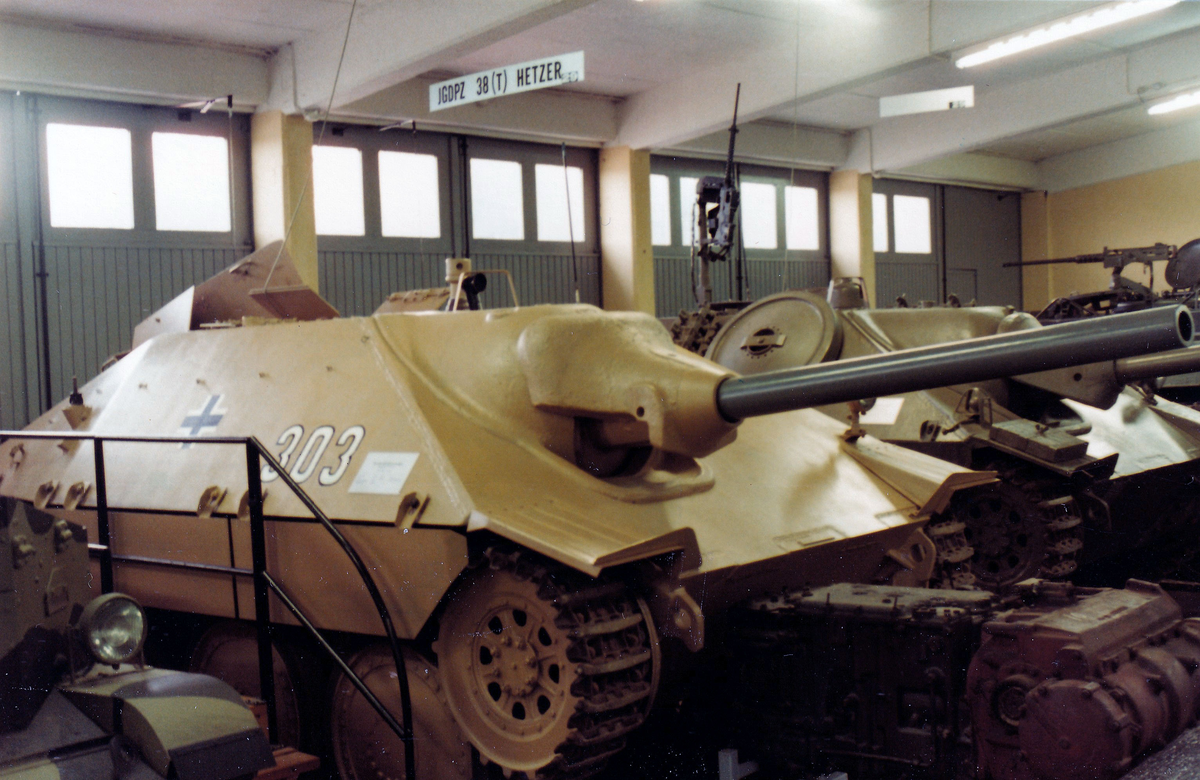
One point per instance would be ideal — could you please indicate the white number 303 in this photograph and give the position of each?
(312, 452)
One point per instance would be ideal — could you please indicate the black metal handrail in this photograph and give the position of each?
(264, 584)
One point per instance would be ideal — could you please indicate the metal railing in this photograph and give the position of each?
(264, 583)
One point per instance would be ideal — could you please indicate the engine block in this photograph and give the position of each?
(1076, 683)
(1049, 682)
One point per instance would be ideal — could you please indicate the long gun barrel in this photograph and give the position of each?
(733, 131)
(1112, 258)
(992, 357)
(1170, 363)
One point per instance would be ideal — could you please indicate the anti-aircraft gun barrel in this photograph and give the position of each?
(991, 357)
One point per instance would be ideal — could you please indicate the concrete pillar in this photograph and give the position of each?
(1035, 245)
(280, 174)
(851, 230)
(627, 258)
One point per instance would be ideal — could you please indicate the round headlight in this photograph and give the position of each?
(114, 627)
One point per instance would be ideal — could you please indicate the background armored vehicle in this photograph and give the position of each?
(556, 504)
(1182, 274)
(75, 700)
(1072, 447)
(1124, 294)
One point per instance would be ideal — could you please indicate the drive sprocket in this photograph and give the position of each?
(544, 669)
(1023, 526)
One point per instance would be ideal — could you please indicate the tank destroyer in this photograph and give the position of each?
(75, 699)
(1074, 448)
(556, 502)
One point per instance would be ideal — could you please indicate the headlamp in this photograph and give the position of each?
(114, 628)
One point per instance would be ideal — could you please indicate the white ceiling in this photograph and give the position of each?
(664, 69)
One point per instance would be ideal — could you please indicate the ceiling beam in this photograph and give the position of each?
(390, 43)
(1122, 158)
(81, 64)
(772, 143)
(1092, 89)
(829, 48)
(832, 55)
(544, 115)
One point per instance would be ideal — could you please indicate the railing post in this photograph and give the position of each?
(262, 604)
(105, 540)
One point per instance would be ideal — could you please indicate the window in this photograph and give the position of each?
(687, 209)
(911, 221)
(758, 216)
(660, 210)
(408, 195)
(90, 176)
(338, 191)
(497, 207)
(191, 182)
(554, 191)
(879, 220)
(800, 219)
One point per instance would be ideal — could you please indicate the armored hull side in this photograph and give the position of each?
(342, 401)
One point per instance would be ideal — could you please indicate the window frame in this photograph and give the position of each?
(142, 122)
(529, 155)
(154, 191)
(363, 188)
(370, 141)
(676, 168)
(439, 181)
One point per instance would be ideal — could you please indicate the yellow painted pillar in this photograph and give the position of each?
(280, 173)
(851, 230)
(1035, 245)
(627, 257)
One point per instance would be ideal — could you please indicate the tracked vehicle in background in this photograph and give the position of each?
(1182, 273)
(546, 496)
(1082, 453)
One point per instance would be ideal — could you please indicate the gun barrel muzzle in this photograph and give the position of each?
(992, 357)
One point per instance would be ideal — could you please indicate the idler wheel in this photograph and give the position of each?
(365, 748)
(544, 670)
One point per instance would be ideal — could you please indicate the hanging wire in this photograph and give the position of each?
(692, 256)
(324, 125)
(232, 189)
(570, 223)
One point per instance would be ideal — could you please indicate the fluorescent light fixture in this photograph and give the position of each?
(1066, 27)
(933, 100)
(1176, 103)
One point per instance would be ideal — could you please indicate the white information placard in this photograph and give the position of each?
(384, 473)
(509, 80)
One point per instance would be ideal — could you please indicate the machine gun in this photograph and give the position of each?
(717, 203)
(1122, 295)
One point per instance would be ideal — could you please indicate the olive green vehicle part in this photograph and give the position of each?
(1049, 434)
(558, 465)
(189, 726)
(63, 714)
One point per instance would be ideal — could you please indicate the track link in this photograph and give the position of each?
(613, 648)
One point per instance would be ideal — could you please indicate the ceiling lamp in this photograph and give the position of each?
(1176, 103)
(1066, 27)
